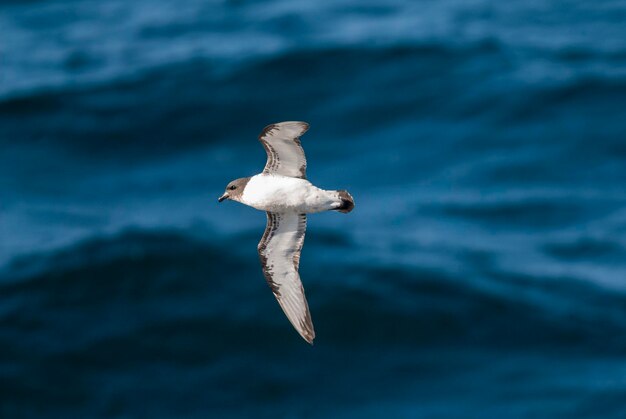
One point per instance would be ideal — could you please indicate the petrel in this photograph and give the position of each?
(286, 196)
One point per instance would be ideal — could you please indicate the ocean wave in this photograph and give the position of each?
(137, 117)
(130, 38)
(166, 278)
(162, 315)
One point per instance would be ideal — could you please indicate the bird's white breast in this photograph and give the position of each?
(284, 194)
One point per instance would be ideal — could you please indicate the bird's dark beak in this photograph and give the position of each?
(223, 197)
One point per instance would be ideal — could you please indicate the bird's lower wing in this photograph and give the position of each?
(279, 251)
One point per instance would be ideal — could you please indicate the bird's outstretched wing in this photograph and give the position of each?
(279, 251)
(284, 152)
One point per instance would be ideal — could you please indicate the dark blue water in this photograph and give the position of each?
(481, 275)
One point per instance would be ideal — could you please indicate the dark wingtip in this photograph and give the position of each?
(305, 127)
(309, 338)
(347, 202)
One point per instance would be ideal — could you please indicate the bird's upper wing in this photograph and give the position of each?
(284, 152)
(279, 251)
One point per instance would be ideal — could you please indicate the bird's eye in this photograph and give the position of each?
(232, 187)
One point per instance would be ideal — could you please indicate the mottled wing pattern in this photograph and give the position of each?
(285, 155)
(279, 251)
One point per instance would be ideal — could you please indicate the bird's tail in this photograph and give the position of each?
(347, 202)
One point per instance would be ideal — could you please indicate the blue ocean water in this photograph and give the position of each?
(481, 275)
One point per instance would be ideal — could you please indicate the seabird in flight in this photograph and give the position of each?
(284, 193)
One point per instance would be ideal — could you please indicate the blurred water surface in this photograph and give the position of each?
(482, 274)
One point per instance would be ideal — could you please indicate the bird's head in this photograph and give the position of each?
(234, 190)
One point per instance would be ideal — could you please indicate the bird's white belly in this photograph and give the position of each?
(277, 193)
